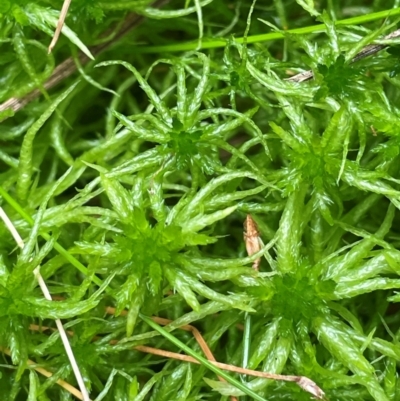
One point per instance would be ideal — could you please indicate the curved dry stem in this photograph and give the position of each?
(46, 294)
(62, 383)
(196, 333)
(304, 382)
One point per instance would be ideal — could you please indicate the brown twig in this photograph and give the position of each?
(196, 334)
(68, 67)
(163, 322)
(305, 383)
(365, 52)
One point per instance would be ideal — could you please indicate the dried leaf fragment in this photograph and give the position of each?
(311, 387)
(252, 239)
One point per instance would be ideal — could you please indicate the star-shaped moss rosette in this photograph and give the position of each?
(186, 137)
(308, 329)
(149, 255)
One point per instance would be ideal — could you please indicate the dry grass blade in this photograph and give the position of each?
(60, 24)
(46, 293)
(71, 389)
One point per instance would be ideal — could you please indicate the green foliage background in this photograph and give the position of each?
(130, 182)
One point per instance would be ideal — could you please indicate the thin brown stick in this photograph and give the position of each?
(365, 52)
(68, 67)
(196, 334)
(110, 310)
(224, 366)
(187, 327)
(74, 391)
(302, 381)
(60, 24)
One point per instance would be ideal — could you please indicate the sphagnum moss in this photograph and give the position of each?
(130, 184)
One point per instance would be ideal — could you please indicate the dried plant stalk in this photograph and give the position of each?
(66, 386)
(305, 383)
(46, 294)
(197, 335)
(60, 24)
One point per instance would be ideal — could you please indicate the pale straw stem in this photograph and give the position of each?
(46, 293)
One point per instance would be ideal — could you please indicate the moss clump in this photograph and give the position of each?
(129, 183)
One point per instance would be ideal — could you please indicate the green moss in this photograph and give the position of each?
(296, 298)
(130, 181)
